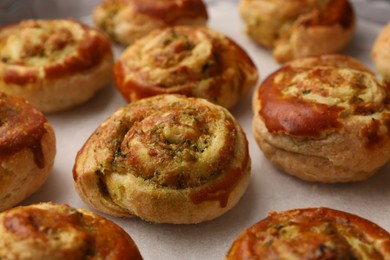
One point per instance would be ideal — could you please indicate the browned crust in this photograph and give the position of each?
(299, 117)
(37, 227)
(226, 74)
(21, 127)
(311, 233)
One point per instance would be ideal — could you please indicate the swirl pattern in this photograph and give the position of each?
(193, 61)
(165, 159)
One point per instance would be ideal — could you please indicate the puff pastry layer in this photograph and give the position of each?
(27, 150)
(324, 118)
(294, 29)
(165, 159)
(125, 21)
(312, 233)
(54, 231)
(54, 64)
(193, 61)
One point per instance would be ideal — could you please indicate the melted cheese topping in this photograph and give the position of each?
(38, 43)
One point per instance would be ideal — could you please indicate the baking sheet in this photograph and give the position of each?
(269, 188)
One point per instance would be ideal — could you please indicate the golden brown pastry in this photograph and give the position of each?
(125, 21)
(55, 231)
(165, 159)
(54, 64)
(193, 61)
(294, 29)
(27, 150)
(381, 53)
(324, 118)
(312, 233)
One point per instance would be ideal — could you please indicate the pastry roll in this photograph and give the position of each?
(27, 150)
(165, 159)
(125, 21)
(54, 64)
(55, 231)
(381, 53)
(323, 119)
(294, 29)
(312, 233)
(193, 61)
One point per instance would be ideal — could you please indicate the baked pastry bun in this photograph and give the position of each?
(165, 159)
(125, 21)
(27, 150)
(381, 53)
(294, 29)
(323, 119)
(312, 233)
(55, 231)
(54, 64)
(193, 61)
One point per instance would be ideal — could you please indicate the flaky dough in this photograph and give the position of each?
(323, 119)
(294, 29)
(193, 61)
(56, 231)
(27, 150)
(125, 21)
(165, 159)
(54, 64)
(312, 233)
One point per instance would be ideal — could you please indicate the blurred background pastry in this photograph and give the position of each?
(56, 231)
(323, 118)
(188, 60)
(27, 150)
(293, 29)
(311, 233)
(165, 159)
(128, 20)
(381, 53)
(54, 64)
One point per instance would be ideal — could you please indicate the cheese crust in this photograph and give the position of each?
(324, 118)
(165, 159)
(193, 61)
(54, 64)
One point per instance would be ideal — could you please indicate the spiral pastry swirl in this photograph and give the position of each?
(193, 61)
(54, 64)
(324, 118)
(165, 159)
(56, 231)
(312, 233)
